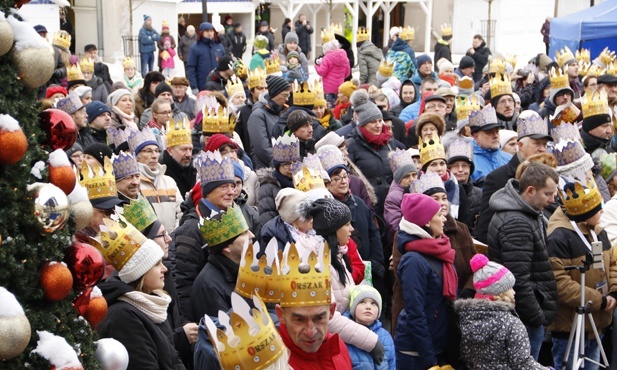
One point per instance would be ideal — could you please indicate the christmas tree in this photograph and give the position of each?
(37, 220)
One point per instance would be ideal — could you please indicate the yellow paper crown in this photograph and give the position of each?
(431, 149)
(87, 65)
(408, 33)
(128, 62)
(327, 35)
(564, 56)
(234, 86)
(99, 181)
(62, 39)
(605, 58)
(260, 275)
(611, 69)
(257, 77)
(465, 105)
(559, 79)
(178, 132)
(580, 198)
(583, 55)
(589, 69)
(119, 241)
(446, 30)
(250, 339)
(240, 69)
(73, 73)
(226, 226)
(594, 104)
(511, 59)
(364, 34)
(465, 83)
(500, 85)
(139, 213)
(216, 118)
(273, 65)
(337, 29)
(497, 65)
(386, 68)
(312, 286)
(304, 93)
(308, 179)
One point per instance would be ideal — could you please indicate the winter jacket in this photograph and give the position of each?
(362, 360)
(169, 62)
(608, 219)
(203, 58)
(333, 69)
(283, 58)
(565, 248)
(304, 36)
(285, 28)
(264, 116)
(268, 189)
(184, 46)
(149, 345)
(442, 50)
(369, 58)
(88, 136)
(392, 208)
(412, 111)
(341, 293)
(275, 228)
(405, 58)
(100, 90)
(474, 197)
(250, 213)
(185, 177)
(332, 355)
(487, 160)
(480, 57)
(397, 109)
(225, 41)
(242, 123)
(212, 288)
(216, 82)
(162, 192)
(360, 186)
(257, 60)
(493, 338)
(596, 146)
(238, 43)
(517, 240)
(546, 31)
(186, 106)
(147, 40)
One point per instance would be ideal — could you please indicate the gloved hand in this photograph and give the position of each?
(466, 293)
(377, 269)
(377, 353)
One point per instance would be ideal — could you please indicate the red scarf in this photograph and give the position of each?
(340, 109)
(441, 250)
(376, 141)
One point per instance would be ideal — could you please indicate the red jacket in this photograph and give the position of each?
(331, 355)
(357, 266)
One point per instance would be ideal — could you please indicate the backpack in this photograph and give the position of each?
(404, 67)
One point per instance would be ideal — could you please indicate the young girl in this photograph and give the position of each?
(167, 57)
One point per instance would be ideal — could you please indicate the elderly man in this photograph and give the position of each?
(183, 102)
(126, 170)
(178, 156)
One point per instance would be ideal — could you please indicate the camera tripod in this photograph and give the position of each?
(577, 333)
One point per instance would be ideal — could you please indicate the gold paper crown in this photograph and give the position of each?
(178, 132)
(364, 34)
(320, 98)
(589, 69)
(73, 73)
(304, 93)
(446, 30)
(564, 56)
(511, 59)
(240, 69)
(594, 104)
(250, 339)
(310, 288)
(583, 56)
(465, 105)
(62, 39)
(99, 181)
(497, 65)
(308, 179)
(257, 77)
(216, 118)
(225, 226)
(465, 83)
(87, 65)
(139, 213)
(327, 35)
(386, 68)
(119, 241)
(500, 85)
(430, 150)
(408, 33)
(260, 275)
(611, 69)
(337, 29)
(558, 79)
(273, 65)
(579, 198)
(234, 86)
(605, 58)
(128, 62)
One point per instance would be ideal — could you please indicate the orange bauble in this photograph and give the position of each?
(63, 177)
(13, 146)
(56, 280)
(96, 311)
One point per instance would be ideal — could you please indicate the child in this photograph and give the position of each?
(167, 57)
(365, 309)
(493, 337)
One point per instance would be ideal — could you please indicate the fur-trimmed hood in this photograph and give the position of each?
(266, 176)
(354, 170)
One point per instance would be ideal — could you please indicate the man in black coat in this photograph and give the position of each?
(264, 29)
(304, 31)
(237, 39)
(480, 54)
(217, 79)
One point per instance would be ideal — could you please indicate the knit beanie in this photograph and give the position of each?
(114, 97)
(287, 203)
(260, 42)
(297, 119)
(238, 171)
(419, 209)
(466, 62)
(75, 148)
(81, 91)
(423, 58)
(57, 89)
(293, 54)
(331, 138)
(328, 215)
(445, 65)
(146, 17)
(218, 140)
(359, 293)
(291, 36)
(505, 136)
(490, 278)
(161, 88)
(225, 63)
(95, 109)
(99, 151)
(402, 171)
(347, 88)
(146, 257)
(276, 85)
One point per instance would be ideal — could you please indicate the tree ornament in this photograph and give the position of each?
(56, 280)
(14, 326)
(111, 354)
(61, 172)
(51, 206)
(6, 35)
(86, 265)
(13, 142)
(60, 128)
(81, 208)
(91, 305)
(57, 351)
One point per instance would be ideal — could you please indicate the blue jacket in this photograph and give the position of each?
(411, 111)
(203, 58)
(487, 160)
(402, 45)
(275, 228)
(147, 40)
(362, 360)
(417, 80)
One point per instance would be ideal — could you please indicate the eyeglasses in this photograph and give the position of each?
(151, 151)
(163, 235)
(288, 164)
(435, 106)
(339, 179)
(167, 113)
(506, 101)
(285, 95)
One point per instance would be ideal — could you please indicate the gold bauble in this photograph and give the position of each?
(51, 206)
(82, 214)
(36, 66)
(6, 37)
(14, 335)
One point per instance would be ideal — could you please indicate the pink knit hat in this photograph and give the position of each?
(490, 278)
(419, 209)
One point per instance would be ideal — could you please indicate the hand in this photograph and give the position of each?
(610, 303)
(191, 329)
(377, 353)
(391, 267)
(304, 23)
(318, 61)
(471, 51)
(195, 92)
(531, 78)
(485, 88)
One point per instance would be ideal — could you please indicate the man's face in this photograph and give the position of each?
(97, 218)
(426, 69)
(611, 92)
(179, 91)
(604, 131)
(573, 70)
(562, 98)
(531, 146)
(92, 54)
(541, 198)
(408, 93)
(209, 34)
(467, 71)
(461, 170)
(263, 29)
(102, 122)
(149, 156)
(436, 106)
(307, 326)
(488, 139)
(429, 87)
(149, 22)
(167, 96)
(305, 133)
(162, 114)
(81, 118)
(222, 196)
(477, 43)
(302, 18)
(505, 106)
(256, 91)
(129, 186)
(282, 97)
(182, 154)
(238, 29)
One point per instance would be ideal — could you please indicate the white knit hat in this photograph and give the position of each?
(144, 258)
(287, 201)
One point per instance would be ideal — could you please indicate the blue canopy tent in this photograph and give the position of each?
(593, 28)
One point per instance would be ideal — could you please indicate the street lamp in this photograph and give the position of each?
(204, 10)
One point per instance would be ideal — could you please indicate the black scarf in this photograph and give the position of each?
(285, 181)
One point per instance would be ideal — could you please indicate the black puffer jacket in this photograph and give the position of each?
(268, 189)
(517, 240)
(474, 197)
(184, 177)
(213, 286)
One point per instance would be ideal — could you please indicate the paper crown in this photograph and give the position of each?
(460, 148)
(87, 65)
(511, 59)
(320, 98)
(116, 136)
(125, 165)
(257, 77)
(364, 34)
(428, 181)
(305, 277)
(500, 85)
(234, 86)
(71, 104)
(73, 73)
(337, 29)
(465, 105)
(62, 39)
(386, 68)
(559, 79)
(431, 150)
(408, 33)
(399, 158)
(564, 56)
(605, 58)
(309, 174)
(136, 138)
(139, 213)
(609, 165)
(216, 118)
(589, 69)
(273, 65)
(565, 113)
(571, 158)
(99, 181)
(579, 195)
(119, 240)
(240, 69)
(326, 36)
(128, 62)
(566, 131)
(534, 124)
(497, 65)
(611, 69)
(486, 116)
(465, 83)
(286, 148)
(446, 30)
(583, 56)
(260, 275)
(224, 226)
(250, 339)
(211, 166)
(178, 132)
(594, 104)
(304, 93)
(331, 159)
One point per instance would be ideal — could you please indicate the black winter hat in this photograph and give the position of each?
(276, 85)
(328, 215)
(99, 151)
(597, 120)
(161, 88)
(466, 62)
(297, 119)
(224, 63)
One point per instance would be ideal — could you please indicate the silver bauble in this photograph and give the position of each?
(111, 354)
(35, 66)
(6, 37)
(14, 335)
(51, 206)
(82, 214)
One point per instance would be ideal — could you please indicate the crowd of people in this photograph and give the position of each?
(421, 216)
